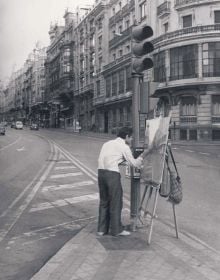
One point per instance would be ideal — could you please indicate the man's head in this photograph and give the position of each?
(126, 134)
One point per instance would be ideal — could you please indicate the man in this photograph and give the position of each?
(112, 154)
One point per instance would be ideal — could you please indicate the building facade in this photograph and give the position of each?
(186, 65)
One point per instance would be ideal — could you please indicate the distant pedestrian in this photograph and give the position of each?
(112, 154)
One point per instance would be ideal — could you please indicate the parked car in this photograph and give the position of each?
(2, 129)
(13, 125)
(34, 126)
(19, 125)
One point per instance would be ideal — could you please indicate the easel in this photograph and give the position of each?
(146, 197)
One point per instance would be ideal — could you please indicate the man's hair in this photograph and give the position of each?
(125, 131)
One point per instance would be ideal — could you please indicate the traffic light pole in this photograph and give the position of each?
(135, 182)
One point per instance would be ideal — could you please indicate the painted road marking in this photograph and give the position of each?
(64, 161)
(21, 149)
(67, 186)
(64, 202)
(56, 176)
(206, 154)
(5, 147)
(190, 151)
(64, 167)
(18, 212)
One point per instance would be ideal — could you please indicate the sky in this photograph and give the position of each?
(23, 23)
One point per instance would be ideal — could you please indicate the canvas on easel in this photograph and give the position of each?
(156, 136)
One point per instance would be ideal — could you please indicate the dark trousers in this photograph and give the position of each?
(110, 207)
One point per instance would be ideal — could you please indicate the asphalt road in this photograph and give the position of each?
(48, 192)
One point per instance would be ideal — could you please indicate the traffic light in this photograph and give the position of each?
(141, 48)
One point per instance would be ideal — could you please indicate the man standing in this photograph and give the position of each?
(112, 154)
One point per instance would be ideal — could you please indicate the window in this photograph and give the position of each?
(188, 106)
(98, 88)
(216, 105)
(184, 62)
(217, 17)
(100, 42)
(211, 59)
(120, 53)
(120, 29)
(121, 81)
(187, 21)
(114, 84)
(108, 86)
(127, 24)
(159, 67)
(128, 80)
(99, 23)
(113, 11)
(165, 27)
(114, 56)
(142, 9)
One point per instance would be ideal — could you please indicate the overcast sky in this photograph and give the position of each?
(23, 23)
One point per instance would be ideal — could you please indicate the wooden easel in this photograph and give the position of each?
(146, 198)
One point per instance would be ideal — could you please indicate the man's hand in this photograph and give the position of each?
(146, 151)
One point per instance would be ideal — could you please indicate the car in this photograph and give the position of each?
(13, 125)
(19, 125)
(2, 129)
(34, 126)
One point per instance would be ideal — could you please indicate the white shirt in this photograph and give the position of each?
(115, 152)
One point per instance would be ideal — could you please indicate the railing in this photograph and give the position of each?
(187, 31)
(188, 119)
(119, 39)
(215, 119)
(190, 2)
(164, 8)
(117, 61)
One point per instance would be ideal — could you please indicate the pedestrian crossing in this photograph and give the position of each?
(67, 187)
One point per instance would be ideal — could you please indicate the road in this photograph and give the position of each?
(48, 192)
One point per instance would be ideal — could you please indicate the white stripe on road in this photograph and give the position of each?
(207, 154)
(64, 202)
(64, 161)
(190, 151)
(64, 167)
(67, 186)
(5, 147)
(56, 176)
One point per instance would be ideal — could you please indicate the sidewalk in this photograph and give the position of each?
(112, 136)
(90, 257)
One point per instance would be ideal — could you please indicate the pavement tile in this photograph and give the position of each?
(90, 257)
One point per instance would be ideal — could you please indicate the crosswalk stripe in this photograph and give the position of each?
(64, 202)
(64, 167)
(67, 186)
(56, 176)
(64, 161)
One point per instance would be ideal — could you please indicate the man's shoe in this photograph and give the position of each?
(100, 233)
(124, 233)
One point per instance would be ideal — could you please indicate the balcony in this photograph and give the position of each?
(181, 34)
(179, 4)
(117, 61)
(117, 40)
(188, 119)
(164, 9)
(216, 120)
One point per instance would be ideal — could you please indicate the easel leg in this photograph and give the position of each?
(139, 210)
(175, 223)
(147, 201)
(153, 215)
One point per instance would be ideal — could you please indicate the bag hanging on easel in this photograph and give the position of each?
(176, 192)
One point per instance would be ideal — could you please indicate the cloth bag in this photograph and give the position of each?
(176, 190)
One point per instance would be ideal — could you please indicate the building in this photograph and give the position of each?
(186, 65)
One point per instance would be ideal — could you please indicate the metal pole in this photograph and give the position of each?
(135, 182)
